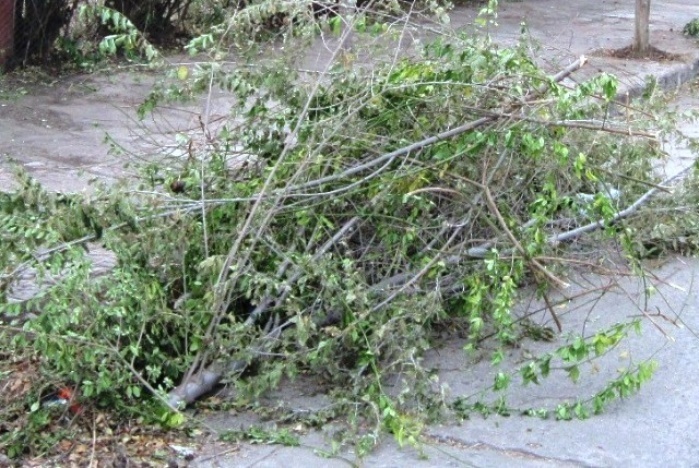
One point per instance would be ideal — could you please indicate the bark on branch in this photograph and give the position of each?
(200, 381)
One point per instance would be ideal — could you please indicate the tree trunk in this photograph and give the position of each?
(641, 44)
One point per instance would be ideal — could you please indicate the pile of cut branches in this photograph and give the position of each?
(328, 228)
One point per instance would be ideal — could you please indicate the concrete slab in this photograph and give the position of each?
(657, 427)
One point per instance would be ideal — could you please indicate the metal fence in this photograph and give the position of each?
(28, 28)
(7, 29)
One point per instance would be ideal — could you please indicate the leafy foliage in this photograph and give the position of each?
(692, 28)
(329, 226)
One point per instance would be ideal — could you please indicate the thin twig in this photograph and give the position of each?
(224, 288)
(205, 129)
(503, 224)
(584, 125)
(268, 300)
(574, 233)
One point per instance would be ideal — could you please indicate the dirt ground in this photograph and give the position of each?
(58, 130)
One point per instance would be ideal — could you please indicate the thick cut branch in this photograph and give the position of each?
(467, 127)
(201, 381)
(399, 280)
(198, 382)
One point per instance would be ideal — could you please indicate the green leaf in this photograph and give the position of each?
(573, 373)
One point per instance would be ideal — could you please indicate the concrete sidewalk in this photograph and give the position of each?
(657, 427)
(562, 31)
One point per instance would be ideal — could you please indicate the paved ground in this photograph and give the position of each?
(657, 427)
(58, 136)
